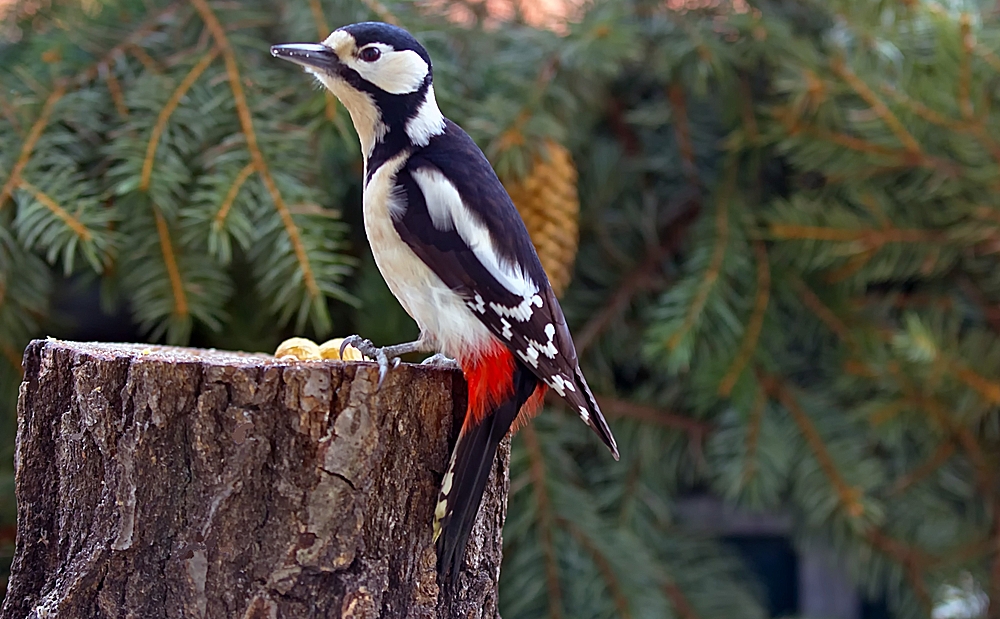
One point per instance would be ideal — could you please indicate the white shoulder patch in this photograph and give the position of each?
(428, 122)
(448, 211)
(441, 196)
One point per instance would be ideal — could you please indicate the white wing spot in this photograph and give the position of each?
(548, 349)
(560, 384)
(521, 312)
(584, 414)
(529, 356)
(440, 509)
(479, 305)
(448, 479)
(507, 333)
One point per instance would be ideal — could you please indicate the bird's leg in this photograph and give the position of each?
(441, 360)
(383, 355)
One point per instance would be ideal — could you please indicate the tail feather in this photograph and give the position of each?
(592, 416)
(471, 462)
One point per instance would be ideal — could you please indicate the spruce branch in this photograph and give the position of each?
(850, 497)
(878, 106)
(220, 217)
(30, 141)
(72, 222)
(314, 304)
(715, 265)
(115, 88)
(912, 561)
(168, 109)
(639, 278)
(752, 333)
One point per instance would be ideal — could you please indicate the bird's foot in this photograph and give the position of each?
(440, 360)
(373, 352)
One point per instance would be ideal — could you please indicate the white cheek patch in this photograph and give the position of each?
(397, 73)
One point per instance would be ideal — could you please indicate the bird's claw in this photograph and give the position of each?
(374, 353)
(364, 346)
(441, 361)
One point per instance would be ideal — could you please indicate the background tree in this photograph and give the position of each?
(786, 288)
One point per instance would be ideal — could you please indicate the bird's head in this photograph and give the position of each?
(383, 77)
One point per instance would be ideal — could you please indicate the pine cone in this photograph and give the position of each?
(549, 204)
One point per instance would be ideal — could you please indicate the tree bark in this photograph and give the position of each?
(171, 482)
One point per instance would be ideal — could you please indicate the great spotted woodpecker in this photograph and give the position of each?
(454, 251)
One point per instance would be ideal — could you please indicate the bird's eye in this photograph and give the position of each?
(370, 54)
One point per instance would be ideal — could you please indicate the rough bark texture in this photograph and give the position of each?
(170, 482)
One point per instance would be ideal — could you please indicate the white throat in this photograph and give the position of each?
(361, 106)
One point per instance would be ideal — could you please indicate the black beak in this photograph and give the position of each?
(307, 55)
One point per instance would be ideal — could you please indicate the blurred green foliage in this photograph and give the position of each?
(786, 292)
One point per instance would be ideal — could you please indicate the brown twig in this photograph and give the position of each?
(323, 28)
(938, 458)
(168, 109)
(911, 559)
(170, 261)
(234, 190)
(682, 131)
(753, 434)
(965, 71)
(246, 123)
(749, 342)
(72, 222)
(878, 106)
(679, 601)
(850, 497)
(638, 279)
(545, 519)
(872, 238)
(607, 571)
(614, 407)
(715, 265)
(381, 11)
(29, 143)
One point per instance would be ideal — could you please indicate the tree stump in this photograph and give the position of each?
(173, 482)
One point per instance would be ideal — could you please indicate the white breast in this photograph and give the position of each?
(438, 311)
